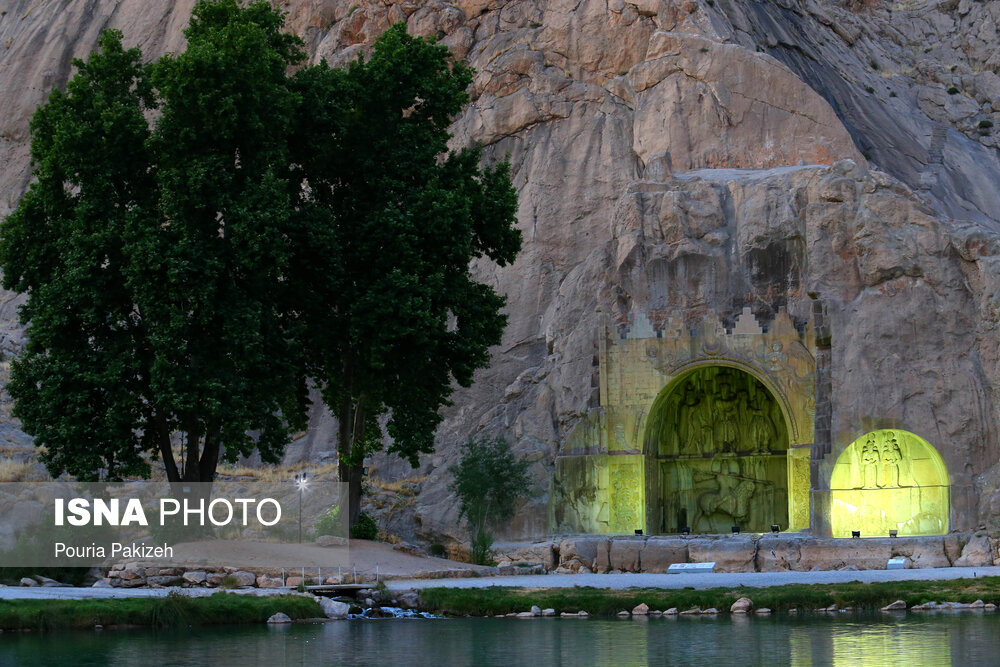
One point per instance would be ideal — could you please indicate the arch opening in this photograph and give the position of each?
(717, 445)
(889, 480)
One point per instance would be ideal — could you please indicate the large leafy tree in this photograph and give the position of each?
(153, 256)
(394, 316)
(207, 232)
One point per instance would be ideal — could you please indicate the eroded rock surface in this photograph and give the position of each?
(676, 155)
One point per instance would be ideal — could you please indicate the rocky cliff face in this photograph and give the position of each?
(679, 155)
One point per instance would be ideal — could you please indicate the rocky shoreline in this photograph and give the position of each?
(745, 606)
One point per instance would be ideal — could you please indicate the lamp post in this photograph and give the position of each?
(301, 482)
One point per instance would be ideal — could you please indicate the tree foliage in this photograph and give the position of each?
(207, 232)
(396, 316)
(488, 481)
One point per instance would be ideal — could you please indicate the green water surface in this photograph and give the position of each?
(843, 639)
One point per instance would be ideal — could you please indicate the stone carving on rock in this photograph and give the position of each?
(891, 456)
(626, 494)
(694, 422)
(870, 460)
(889, 480)
(761, 429)
(708, 418)
(726, 412)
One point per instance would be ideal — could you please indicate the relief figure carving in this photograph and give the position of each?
(731, 499)
(891, 456)
(870, 460)
(761, 429)
(726, 426)
(694, 423)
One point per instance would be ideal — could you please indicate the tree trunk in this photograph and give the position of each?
(351, 466)
(209, 459)
(352, 476)
(166, 452)
(192, 471)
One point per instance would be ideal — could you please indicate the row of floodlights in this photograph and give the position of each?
(686, 530)
(857, 533)
(775, 529)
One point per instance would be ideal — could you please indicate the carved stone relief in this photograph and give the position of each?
(889, 480)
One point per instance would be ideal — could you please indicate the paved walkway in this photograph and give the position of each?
(610, 581)
(707, 580)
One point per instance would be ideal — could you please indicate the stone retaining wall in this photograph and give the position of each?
(750, 553)
(138, 575)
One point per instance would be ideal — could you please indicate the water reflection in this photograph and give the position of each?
(808, 639)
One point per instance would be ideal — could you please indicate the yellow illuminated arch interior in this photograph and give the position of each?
(889, 480)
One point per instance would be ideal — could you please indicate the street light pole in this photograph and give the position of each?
(300, 481)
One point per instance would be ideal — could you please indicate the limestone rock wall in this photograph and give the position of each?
(681, 154)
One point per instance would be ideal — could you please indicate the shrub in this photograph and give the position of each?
(329, 522)
(488, 481)
(953, 91)
(985, 124)
(365, 528)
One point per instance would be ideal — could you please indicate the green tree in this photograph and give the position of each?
(394, 316)
(153, 257)
(488, 481)
(205, 233)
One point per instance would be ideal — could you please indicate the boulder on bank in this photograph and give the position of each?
(409, 600)
(50, 583)
(898, 605)
(244, 578)
(741, 606)
(280, 617)
(977, 553)
(195, 577)
(333, 609)
(163, 581)
(264, 581)
(642, 609)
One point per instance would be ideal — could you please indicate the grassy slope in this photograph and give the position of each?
(171, 611)
(596, 601)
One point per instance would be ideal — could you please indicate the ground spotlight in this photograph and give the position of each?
(893, 533)
(855, 533)
(638, 531)
(686, 530)
(775, 528)
(736, 530)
